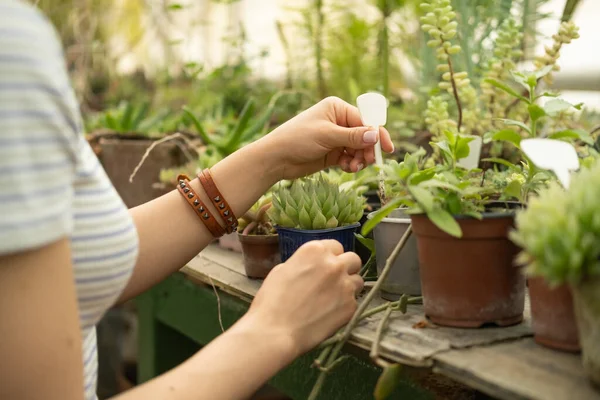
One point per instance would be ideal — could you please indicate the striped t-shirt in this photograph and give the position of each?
(51, 183)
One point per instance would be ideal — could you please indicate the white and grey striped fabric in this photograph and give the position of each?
(51, 183)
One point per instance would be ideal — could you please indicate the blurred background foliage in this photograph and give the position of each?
(331, 47)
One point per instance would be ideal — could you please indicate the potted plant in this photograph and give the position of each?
(559, 233)
(120, 137)
(315, 209)
(259, 240)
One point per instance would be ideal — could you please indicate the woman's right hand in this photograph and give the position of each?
(311, 295)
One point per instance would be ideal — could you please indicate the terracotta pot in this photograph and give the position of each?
(230, 241)
(261, 254)
(470, 281)
(553, 316)
(586, 297)
(119, 157)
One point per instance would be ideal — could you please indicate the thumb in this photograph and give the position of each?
(358, 137)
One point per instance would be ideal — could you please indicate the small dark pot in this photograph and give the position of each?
(553, 316)
(470, 281)
(290, 239)
(261, 254)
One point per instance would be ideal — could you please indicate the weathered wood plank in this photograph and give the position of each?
(518, 369)
(502, 362)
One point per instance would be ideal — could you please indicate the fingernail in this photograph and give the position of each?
(359, 167)
(370, 136)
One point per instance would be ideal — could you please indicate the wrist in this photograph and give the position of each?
(266, 151)
(280, 341)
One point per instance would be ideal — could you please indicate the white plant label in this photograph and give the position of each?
(472, 160)
(373, 112)
(554, 155)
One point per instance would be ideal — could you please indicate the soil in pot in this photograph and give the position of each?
(404, 278)
(586, 298)
(290, 239)
(470, 281)
(119, 157)
(261, 254)
(553, 315)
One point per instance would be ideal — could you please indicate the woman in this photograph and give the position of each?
(69, 248)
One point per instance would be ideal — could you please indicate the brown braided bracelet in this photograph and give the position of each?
(199, 207)
(219, 201)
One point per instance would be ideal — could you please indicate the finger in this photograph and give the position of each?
(350, 152)
(358, 162)
(369, 155)
(359, 137)
(345, 114)
(333, 246)
(351, 261)
(358, 282)
(344, 162)
(386, 141)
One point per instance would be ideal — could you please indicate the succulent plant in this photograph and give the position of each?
(567, 32)
(315, 203)
(559, 231)
(256, 221)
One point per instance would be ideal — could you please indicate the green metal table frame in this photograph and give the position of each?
(179, 316)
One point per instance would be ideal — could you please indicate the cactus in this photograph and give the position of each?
(256, 221)
(315, 203)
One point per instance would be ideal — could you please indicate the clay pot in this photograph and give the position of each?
(119, 157)
(553, 316)
(470, 281)
(586, 298)
(261, 254)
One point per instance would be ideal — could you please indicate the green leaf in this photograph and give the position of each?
(503, 162)
(555, 106)
(434, 183)
(504, 87)
(536, 112)
(543, 72)
(320, 222)
(514, 122)
(304, 218)
(573, 134)
(388, 381)
(514, 189)
(422, 196)
(462, 147)
(444, 146)
(174, 7)
(332, 223)
(127, 117)
(520, 79)
(201, 132)
(421, 176)
(380, 215)
(243, 120)
(508, 135)
(368, 243)
(453, 203)
(446, 222)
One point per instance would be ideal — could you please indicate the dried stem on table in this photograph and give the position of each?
(218, 303)
(331, 359)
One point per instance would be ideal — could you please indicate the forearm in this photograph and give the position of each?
(248, 353)
(171, 234)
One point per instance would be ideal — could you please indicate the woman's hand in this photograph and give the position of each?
(309, 297)
(329, 133)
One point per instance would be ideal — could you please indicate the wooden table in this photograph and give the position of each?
(181, 314)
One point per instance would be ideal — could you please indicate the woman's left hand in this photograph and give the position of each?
(329, 133)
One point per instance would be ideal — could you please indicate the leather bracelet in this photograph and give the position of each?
(219, 201)
(198, 206)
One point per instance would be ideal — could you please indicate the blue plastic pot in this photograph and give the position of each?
(290, 239)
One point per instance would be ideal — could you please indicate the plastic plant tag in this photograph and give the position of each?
(472, 160)
(373, 112)
(554, 155)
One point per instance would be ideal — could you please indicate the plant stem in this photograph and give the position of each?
(380, 328)
(385, 50)
(359, 312)
(455, 91)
